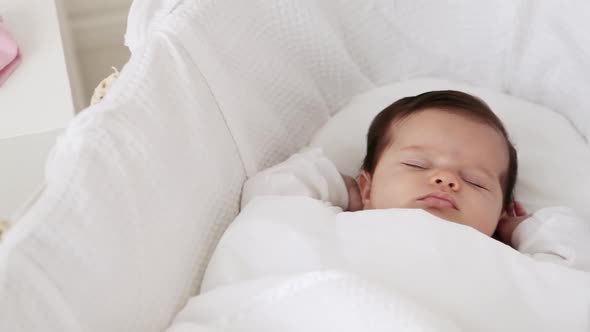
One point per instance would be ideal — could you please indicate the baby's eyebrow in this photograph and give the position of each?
(486, 172)
(414, 147)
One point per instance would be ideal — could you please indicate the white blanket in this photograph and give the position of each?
(451, 269)
(316, 301)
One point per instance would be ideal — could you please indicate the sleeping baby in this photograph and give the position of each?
(444, 152)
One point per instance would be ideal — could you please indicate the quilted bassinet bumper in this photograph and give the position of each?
(141, 186)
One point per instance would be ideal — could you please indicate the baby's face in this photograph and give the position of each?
(442, 162)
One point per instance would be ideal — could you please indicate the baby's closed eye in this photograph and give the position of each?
(476, 181)
(418, 164)
(476, 184)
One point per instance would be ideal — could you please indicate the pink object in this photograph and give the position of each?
(10, 56)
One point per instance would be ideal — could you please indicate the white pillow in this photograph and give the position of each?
(553, 156)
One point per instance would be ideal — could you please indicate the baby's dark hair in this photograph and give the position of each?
(379, 135)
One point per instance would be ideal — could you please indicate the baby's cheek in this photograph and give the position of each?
(499, 204)
(380, 198)
(396, 199)
(495, 213)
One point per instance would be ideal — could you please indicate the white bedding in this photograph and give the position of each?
(452, 270)
(316, 301)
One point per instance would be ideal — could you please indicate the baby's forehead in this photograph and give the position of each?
(454, 120)
(451, 134)
(438, 113)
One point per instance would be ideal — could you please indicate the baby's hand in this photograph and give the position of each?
(354, 194)
(511, 218)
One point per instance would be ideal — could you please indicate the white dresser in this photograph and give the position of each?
(36, 102)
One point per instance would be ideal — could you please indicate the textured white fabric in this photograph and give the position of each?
(549, 63)
(316, 301)
(557, 235)
(278, 70)
(143, 17)
(308, 173)
(309, 57)
(121, 234)
(553, 158)
(139, 190)
(454, 270)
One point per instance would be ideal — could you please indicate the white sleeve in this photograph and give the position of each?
(557, 235)
(308, 173)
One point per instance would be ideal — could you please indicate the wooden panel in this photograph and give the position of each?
(98, 30)
(90, 7)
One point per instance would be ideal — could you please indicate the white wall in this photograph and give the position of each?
(97, 29)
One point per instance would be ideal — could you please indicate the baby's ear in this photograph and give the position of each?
(365, 188)
(503, 217)
(509, 211)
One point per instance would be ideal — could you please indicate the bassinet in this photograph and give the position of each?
(141, 186)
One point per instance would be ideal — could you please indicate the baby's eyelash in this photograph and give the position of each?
(413, 165)
(476, 185)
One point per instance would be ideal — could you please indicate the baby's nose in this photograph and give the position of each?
(446, 180)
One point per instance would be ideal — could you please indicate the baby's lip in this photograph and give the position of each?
(439, 199)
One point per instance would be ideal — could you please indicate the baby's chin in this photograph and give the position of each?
(446, 214)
